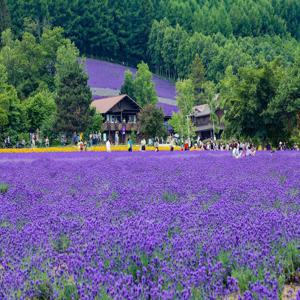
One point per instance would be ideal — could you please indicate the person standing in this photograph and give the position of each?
(172, 145)
(156, 144)
(143, 145)
(47, 144)
(108, 149)
(81, 145)
(129, 145)
(116, 138)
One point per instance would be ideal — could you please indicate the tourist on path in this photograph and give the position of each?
(108, 149)
(129, 145)
(143, 145)
(156, 144)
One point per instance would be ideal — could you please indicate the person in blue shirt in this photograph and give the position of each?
(129, 145)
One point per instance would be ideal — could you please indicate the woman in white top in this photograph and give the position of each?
(108, 146)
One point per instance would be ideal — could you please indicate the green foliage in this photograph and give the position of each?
(73, 93)
(244, 277)
(41, 112)
(251, 102)
(3, 188)
(66, 63)
(12, 114)
(289, 258)
(151, 119)
(181, 121)
(127, 87)
(184, 96)
(169, 197)
(198, 77)
(96, 122)
(62, 243)
(144, 89)
(4, 16)
(133, 137)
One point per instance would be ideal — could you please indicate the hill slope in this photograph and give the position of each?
(105, 79)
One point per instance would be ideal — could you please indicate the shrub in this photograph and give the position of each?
(169, 197)
(62, 243)
(3, 188)
(289, 257)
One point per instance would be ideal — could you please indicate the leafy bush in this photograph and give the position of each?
(169, 197)
(44, 291)
(3, 188)
(62, 243)
(289, 257)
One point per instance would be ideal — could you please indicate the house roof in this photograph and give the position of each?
(103, 105)
(201, 110)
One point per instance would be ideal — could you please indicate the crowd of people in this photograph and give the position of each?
(237, 148)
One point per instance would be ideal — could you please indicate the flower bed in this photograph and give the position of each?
(196, 225)
(76, 149)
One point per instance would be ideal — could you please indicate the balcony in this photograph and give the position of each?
(107, 126)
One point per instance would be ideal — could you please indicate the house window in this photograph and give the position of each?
(132, 119)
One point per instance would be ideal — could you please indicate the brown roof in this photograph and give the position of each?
(105, 104)
(201, 110)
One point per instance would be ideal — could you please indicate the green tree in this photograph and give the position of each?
(144, 89)
(246, 99)
(197, 77)
(66, 60)
(41, 112)
(96, 122)
(181, 121)
(128, 85)
(285, 106)
(151, 119)
(4, 16)
(73, 93)
(212, 99)
(12, 116)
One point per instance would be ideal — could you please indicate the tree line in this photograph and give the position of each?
(43, 87)
(120, 30)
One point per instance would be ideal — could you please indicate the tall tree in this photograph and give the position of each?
(144, 89)
(197, 77)
(73, 93)
(128, 85)
(181, 121)
(4, 16)
(12, 116)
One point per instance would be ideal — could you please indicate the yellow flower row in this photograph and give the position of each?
(76, 149)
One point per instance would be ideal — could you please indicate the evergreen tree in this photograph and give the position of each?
(128, 85)
(144, 90)
(4, 16)
(73, 93)
(197, 77)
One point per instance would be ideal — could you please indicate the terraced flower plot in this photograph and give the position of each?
(148, 225)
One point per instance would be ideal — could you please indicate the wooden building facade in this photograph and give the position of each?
(120, 115)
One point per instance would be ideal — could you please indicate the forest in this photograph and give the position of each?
(120, 30)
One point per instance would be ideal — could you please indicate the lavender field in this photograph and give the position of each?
(148, 225)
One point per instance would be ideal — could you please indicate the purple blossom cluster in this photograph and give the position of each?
(179, 225)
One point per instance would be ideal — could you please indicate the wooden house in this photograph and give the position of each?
(120, 116)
